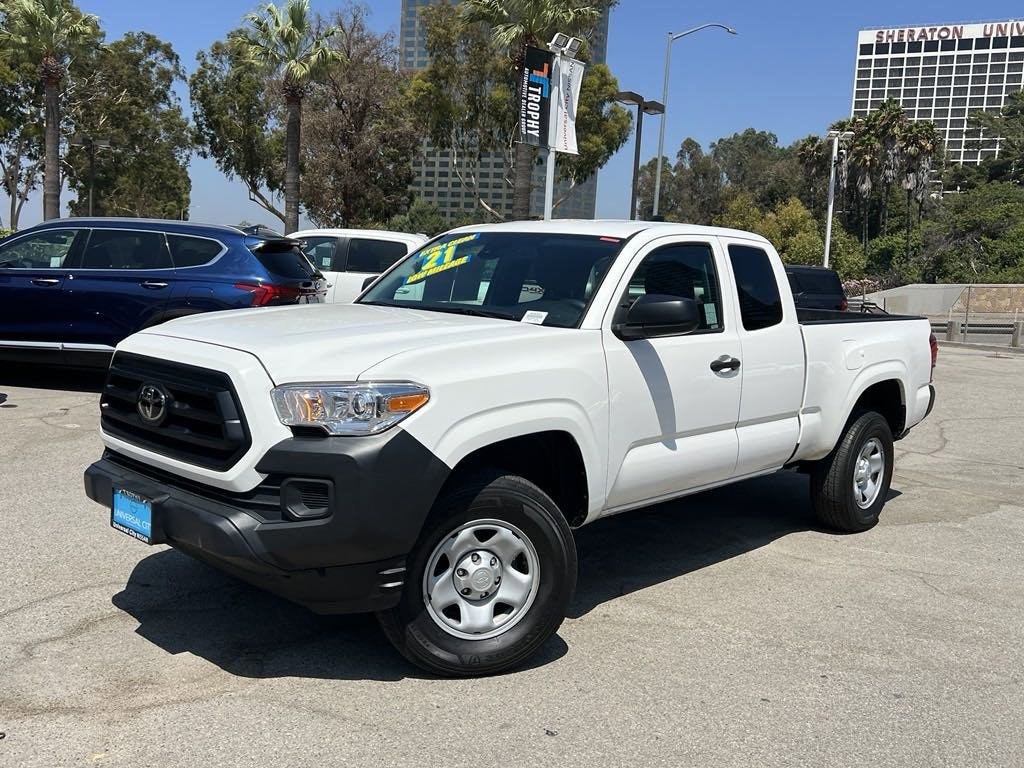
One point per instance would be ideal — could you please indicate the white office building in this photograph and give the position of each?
(942, 73)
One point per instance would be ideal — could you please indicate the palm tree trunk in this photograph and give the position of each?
(867, 211)
(291, 171)
(909, 218)
(522, 181)
(51, 165)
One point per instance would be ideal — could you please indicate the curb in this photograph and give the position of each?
(982, 347)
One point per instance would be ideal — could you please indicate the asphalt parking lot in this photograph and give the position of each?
(723, 630)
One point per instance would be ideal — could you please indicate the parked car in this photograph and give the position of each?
(816, 288)
(79, 286)
(350, 258)
(426, 455)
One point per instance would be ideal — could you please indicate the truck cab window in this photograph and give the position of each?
(760, 303)
(686, 270)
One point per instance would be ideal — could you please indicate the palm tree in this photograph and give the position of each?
(288, 45)
(50, 32)
(890, 122)
(515, 25)
(920, 144)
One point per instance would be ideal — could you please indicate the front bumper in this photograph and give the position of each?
(352, 559)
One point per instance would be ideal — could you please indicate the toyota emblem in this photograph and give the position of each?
(152, 404)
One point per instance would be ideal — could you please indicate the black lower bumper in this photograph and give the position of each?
(351, 559)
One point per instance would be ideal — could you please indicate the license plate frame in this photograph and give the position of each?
(132, 515)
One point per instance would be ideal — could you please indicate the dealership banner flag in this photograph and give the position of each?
(535, 97)
(570, 80)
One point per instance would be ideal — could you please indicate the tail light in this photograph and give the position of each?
(934, 344)
(265, 294)
(843, 304)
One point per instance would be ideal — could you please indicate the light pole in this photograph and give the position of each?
(836, 136)
(664, 100)
(564, 47)
(643, 107)
(91, 145)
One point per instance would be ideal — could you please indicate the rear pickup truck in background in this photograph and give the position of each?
(426, 452)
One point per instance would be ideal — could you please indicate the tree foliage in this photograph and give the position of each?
(422, 217)
(359, 134)
(467, 97)
(49, 34)
(235, 119)
(127, 96)
(291, 48)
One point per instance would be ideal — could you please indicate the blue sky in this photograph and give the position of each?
(789, 70)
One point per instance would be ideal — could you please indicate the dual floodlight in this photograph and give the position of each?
(563, 45)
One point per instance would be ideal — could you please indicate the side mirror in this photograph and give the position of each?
(369, 281)
(654, 315)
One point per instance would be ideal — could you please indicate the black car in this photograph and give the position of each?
(816, 288)
(79, 286)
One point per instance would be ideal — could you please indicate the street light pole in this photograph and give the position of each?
(664, 100)
(836, 137)
(643, 107)
(564, 47)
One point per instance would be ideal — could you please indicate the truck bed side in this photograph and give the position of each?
(851, 356)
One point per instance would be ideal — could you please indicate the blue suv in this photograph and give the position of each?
(79, 286)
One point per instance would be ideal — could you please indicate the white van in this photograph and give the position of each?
(347, 257)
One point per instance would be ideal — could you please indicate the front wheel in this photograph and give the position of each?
(849, 487)
(489, 580)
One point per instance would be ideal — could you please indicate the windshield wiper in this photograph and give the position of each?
(453, 310)
(472, 312)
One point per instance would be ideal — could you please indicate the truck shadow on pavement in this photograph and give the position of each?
(51, 377)
(185, 606)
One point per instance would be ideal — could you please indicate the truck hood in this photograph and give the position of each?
(334, 342)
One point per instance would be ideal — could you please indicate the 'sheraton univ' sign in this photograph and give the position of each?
(943, 32)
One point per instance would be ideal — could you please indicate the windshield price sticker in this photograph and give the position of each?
(440, 258)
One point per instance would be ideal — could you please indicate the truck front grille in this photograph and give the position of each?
(180, 411)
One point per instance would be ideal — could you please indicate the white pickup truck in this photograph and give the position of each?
(426, 452)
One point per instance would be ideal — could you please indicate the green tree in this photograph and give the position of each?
(464, 98)
(422, 217)
(50, 32)
(21, 134)
(602, 128)
(1008, 125)
(359, 134)
(978, 236)
(291, 48)
(126, 95)
(234, 121)
(692, 189)
(514, 25)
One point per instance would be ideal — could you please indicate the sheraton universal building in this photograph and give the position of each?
(942, 73)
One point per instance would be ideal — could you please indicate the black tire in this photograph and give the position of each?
(832, 495)
(487, 496)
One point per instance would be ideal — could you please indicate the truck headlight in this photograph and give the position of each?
(348, 409)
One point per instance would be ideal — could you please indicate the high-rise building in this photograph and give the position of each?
(943, 73)
(436, 179)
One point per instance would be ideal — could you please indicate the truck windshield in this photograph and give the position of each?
(541, 278)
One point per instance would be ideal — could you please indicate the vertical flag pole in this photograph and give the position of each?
(549, 175)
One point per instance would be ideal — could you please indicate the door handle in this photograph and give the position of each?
(46, 281)
(725, 363)
(153, 285)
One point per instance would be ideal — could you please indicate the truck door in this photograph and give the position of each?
(773, 358)
(673, 417)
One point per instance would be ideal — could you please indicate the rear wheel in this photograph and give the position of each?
(489, 580)
(849, 486)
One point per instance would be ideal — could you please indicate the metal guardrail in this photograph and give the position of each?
(958, 329)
